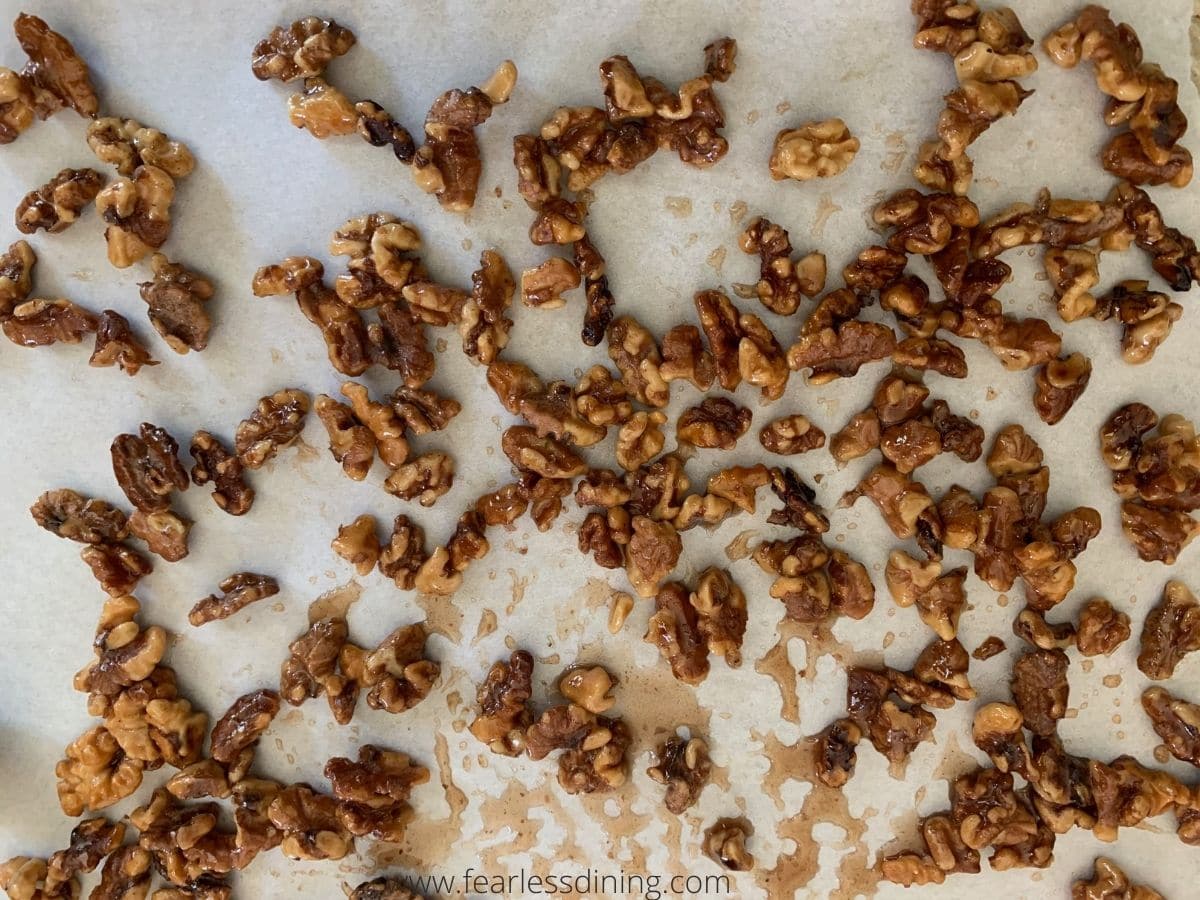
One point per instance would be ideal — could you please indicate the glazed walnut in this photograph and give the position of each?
(301, 50)
(1109, 882)
(653, 550)
(322, 110)
(1146, 318)
(310, 824)
(95, 773)
(138, 212)
(384, 888)
(403, 556)
(423, 478)
(55, 69)
(358, 544)
(68, 514)
(483, 324)
(275, 424)
(716, 423)
(215, 463)
(16, 276)
(58, 203)
(116, 344)
(237, 592)
(39, 323)
(683, 765)
(126, 144)
(239, 729)
(675, 629)
(373, 791)
(117, 568)
(543, 287)
(790, 435)
(783, 282)
(147, 467)
(544, 456)
(813, 150)
(176, 301)
(836, 754)
(1039, 686)
(601, 397)
(725, 843)
(1101, 628)
(350, 442)
(1170, 632)
(636, 355)
(503, 698)
(1058, 384)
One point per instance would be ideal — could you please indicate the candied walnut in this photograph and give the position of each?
(384, 888)
(601, 398)
(633, 349)
(996, 730)
(118, 568)
(857, 438)
(836, 752)
(543, 286)
(1031, 626)
(383, 421)
(684, 356)
(379, 128)
(905, 505)
(1058, 384)
(424, 411)
(126, 874)
(310, 824)
(55, 68)
(39, 323)
(206, 778)
(164, 532)
(725, 844)
(512, 382)
(398, 342)
(91, 841)
(424, 478)
(96, 773)
(719, 319)
(909, 445)
(138, 213)
(933, 354)
(214, 462)
(761, 360)
(1101, 628)
(116, 344)
(147, 467)
(1121, 435)
(923, 224)
(909, 579)
(68, 514)
(374, 792)
(539, 174)
(242, 725)
(598, 763)
(588, 688)
(176, 299)
(684, 767)
(1172, 254)
(799, 509)
(716, 423)
(403, 555)
(596, 539)
(276, 423)
(552, 410)
(558, 221)
(939, 598)
(503, 698)
(295, 273)
(556, 728)
(911, 870)
(782, 281)
(58, 203)
(545, 456)
(20, 101)
(1013, 453)
(721, 607)
(1073, 272)
(988, 810)
(790, 435)
(301, 50)
(126, 144)
(839, 352)
(958, 435)
(398, 675)
(1109, 882)
(814, 150)
(651, 555)
(16, 276)
(1158, 533)
(1146, 318)
(1176, 721)
(449, 163)
(1171, 630)
(1039, 687)
(943, 664)
(1125, 157)
(347, 341)
(675, 629)
(238, 591)
(351, 443)
(313, 659)
(358, 544)
(436, 575)
(483, 326)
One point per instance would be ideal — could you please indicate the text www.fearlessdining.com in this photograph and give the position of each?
(587, 883)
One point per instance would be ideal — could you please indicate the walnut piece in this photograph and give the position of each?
(68, 514)
(147, 467)
(138, 212)
(116, 344)
(39, 323)
(1170, 632)
(503, 697)
(55, 68)
(1109, 882)
(176, 301)
(301, 50)
(215, 463)
(58, 203)
(813, 150)
(725, 843)
(237, 592)
(126, 144)
(790, 435)
(683, 765)
(275, 424)
(423, 478)
(543, 286)
(716, 423)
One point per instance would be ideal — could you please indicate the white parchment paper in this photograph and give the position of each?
(263, 190)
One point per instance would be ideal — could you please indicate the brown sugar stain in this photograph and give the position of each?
(739, 547)
(442, 616)
(679, 207)
(519, 586)
(335, 602)
(716, 259)
(896, 146)
(487, 625)
(955, 761)
(825, 209)
(428, 841)
(819, 641)
(776, 665)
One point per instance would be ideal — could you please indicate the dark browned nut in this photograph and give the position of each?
(683, 765)
(1125, 157)
(909, 445)
(1058, 384)
(164, 531)
(634, 352)
(552, 410)
(1013, 453)
(933, 354)
(116, 567)
(720, 59)
(482, 323)
(16, 276)
(59, 202)
(943, 664)
(310, 824)
(503, 697)
(68, 514)
(347, 341)
(242, 725)
(991, 646)
(147, 467)
(176, 301)
(1072, 273)
(539, 174)
(373, 792)
(358, 544)
(596, 539)
(423, 478)
(716, 423)
(543, 287)
(790, 435)
(814, 150)
(512, 382)
(1031, 626)
(996, 730)
(545, 456)
(350, 442)
(55, 70)
(300, 50)
(214, 462)
(397, 672)
(719, 319)
(1176, 721)
(684, 356)
(558, 221)
(138, 213)
(1171, 631)
(857, 438)
(839, 352)
(1101, 628)
(761, 360)
(653, 550)
(725, 844)
(275, 424)
(39, 323)
(116, 344)
(126, 873)
(1039, 687)
(1121, 435)
(851, 592)
(836, 752)
(237, 592)
(379, 128)
(782, 281)
(403, 556)
(1159, 534)
(905, 505)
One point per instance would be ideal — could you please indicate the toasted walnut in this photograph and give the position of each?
(588, 688)
(358, 544)
(242, 725)
(684, 767)
(1146, 318)
(310, 824)
(1031, 626)
(814, 150)
(790, 435)
(909, 445)
(544, 455)
(911, 870)
(684, 356)
(147, 467)
(1058, 384)
(1039, 686)
(275, 424)
(214, 462)
(302, 49)
(725, 843)
(68, 514)
(503, 698)
(126, 874)
(857, 438)
(761, 360)
(1172, 254)
(1158, 533)
(483, 325)
(96, 773)
(905, 505)
(543, 287)
(424, 478)
(16, 276)
(633, 349)
(116, 567)
(58, 203)
(1171, 631)
(836, 755)
(600, 398)
(176, 299)
(374, 790)
(384, 888)
(20, 101)
(403, 555)
(287, 277)
(164, 531)
(1109, 882)
(39, 323)
(782, 281)
(347, 340)
(799, 509)
(126, 144)
(351, 443)
(716, 423)
(116, 344)
(840, 351)
(138, 213)
(379, 128)
(398, 675)
(720, 321)
(238, 591)
(675, 629)
(313, 660)
(596, 539)
(55, 68)
(1101, 628)
(923, 224)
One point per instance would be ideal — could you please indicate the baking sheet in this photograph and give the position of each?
(263, 190)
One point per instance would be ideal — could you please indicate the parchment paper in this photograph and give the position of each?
(263, 190)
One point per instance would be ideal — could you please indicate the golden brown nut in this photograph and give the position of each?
(423, 478)
(503, 698)
(358, 544)
(683, 766)
(39, 323)
(126, 144)
(301, 50)
(813, 150)
(116, 344)
(214, 462)
(716, 423)
(634, 351)
(725, 843)
(543, 287)
(59, 202)
(275, 424)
